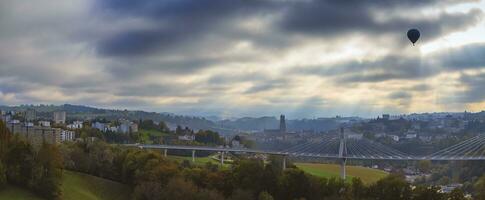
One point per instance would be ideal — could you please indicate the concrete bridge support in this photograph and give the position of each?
(343, 173)
(165, 152)
(222, 157)
(193, 156)
(342, 153)
(284, 163)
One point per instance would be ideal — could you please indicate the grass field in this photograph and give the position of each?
(83, 186)
(367, 175)
(145, 135)
(76, 186)
(14, 193)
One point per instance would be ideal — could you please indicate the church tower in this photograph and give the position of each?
(282, 124)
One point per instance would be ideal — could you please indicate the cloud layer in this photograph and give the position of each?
(235, 58)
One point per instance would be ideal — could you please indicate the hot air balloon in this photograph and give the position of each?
(413, 35)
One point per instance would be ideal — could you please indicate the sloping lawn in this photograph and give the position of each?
(367, 175)
(82, 186)
(15, 193)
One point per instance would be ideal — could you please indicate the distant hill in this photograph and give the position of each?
(261, 123)
(80, 112)
(245, 124)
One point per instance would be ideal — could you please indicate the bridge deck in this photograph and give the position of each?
(328, 156)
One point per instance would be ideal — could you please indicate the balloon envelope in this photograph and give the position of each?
(413, 35)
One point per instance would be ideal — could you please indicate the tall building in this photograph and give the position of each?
(282, 124)
(282, 128)
(60, 117)
(30, 115)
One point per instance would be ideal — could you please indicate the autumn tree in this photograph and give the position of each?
(392, 187)
(47, 172)
(480, 189)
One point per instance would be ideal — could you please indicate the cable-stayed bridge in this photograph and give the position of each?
(342, 148)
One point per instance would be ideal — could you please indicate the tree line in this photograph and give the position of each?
(37, 169)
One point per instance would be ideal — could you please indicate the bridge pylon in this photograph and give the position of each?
(284, 163)
(342, 153)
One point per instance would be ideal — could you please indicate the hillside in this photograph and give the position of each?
(15, 193)
(82, 186)
(76, 186)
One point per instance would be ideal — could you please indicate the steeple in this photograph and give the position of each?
(282, 124)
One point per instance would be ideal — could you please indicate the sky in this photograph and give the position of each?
(301, 58)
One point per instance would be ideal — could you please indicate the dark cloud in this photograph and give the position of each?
(420, 88)
(466, 57)
(475, 87)
(139, 42)
(176, 23)
(14, 86)
(387, 68)
(231, 78)
(268, 85)
(180, 23)
(156, 90)
(334, 18)
(398, 67)
(400, 95)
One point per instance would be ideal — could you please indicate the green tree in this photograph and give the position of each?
(424, 166)
(163, 126)
(47, 172)
(208, 137)
(392, 187)
(3, 176)
(5, 137)
(148, 190)
(240, 194)
(358, 189)
(19, 162)
(456, 194)
(178, 188)
(149, 125)
(294, 184)
(248, 175)
(479, 188)
(427, 193)
(265, 196)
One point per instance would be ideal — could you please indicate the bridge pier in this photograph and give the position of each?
(165, 152)
(342, 153)
(284, 163)
(222, 157)
(343, 173)
(193, 156)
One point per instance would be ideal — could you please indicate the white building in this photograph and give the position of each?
(128, 127)
(114, 128)
(75, 125)
(45, 123)
(356, 136)
(236, 144)
(187, 137)
(394, 137)
(67, 135)
(411, 136)
(59, 117)
(124, 128)
(100, 126)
